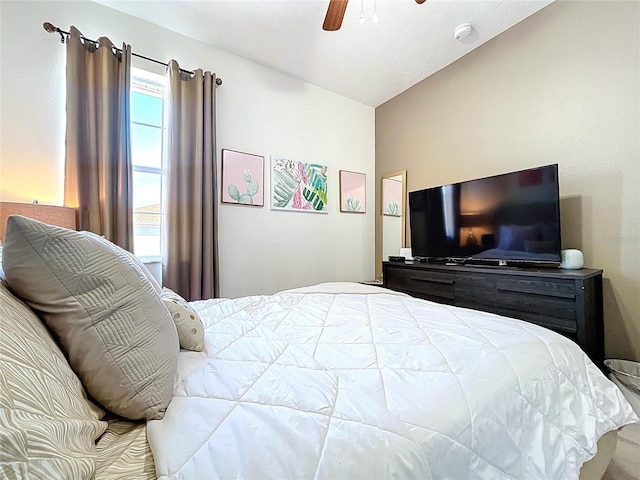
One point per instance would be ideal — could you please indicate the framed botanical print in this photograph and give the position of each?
(353, 192)
(298, 186)
(242, 178)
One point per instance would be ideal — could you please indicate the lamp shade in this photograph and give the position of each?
(51, 214)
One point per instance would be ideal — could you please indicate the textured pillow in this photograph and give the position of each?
(188, 322)
(137, 262)
(124, 452)
(48, 427)
(108, 318)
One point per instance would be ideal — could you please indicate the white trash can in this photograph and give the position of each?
(626, 375)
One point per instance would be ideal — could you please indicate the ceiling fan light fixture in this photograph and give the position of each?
(362, 18)
(337, 8)
(374, 17)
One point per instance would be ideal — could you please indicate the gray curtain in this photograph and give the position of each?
(98, 178)
(190, 265)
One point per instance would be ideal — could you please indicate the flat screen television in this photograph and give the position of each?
(508, 219)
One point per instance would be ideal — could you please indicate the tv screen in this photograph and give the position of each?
(508, 218)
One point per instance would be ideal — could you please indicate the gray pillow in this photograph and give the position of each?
(188, 322)
(107, 317)
(137, 263)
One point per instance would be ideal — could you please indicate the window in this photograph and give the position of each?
(148, 134)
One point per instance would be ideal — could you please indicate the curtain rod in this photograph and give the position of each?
(50, 28)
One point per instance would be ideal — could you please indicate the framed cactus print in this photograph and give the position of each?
(298, 186)
(242, 178)
(353, 192)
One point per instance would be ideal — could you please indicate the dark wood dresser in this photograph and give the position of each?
(566, 301)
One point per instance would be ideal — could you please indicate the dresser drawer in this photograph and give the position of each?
(423, 283)
(568, 302)
(547, 302)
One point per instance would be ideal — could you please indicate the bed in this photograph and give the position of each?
(337, 380)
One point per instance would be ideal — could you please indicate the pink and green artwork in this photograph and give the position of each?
(392, 197)
(298, 186)
(242, 178)
(352, 192)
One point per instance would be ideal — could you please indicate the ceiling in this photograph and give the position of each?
(370, 63)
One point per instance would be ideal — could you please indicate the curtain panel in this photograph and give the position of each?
(98, 172)
(190, 264)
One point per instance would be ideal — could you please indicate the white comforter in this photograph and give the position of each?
(313, 383)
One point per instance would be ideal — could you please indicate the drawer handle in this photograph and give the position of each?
(432, 280)
(532, 291)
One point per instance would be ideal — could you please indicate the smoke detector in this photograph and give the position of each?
(462, 31)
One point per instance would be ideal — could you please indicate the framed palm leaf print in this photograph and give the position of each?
(298, 186)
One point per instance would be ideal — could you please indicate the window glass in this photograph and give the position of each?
(147, 214)
(147, 191)
(146, 145)
(147, 237)
(147, 153)
(146, 109)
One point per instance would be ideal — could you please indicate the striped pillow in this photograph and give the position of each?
(48, 427)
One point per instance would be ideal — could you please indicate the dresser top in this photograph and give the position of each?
(499, 270)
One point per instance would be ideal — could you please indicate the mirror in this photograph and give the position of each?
(394, 199)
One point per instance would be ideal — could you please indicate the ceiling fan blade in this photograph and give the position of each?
(335, 14)
(420, 2)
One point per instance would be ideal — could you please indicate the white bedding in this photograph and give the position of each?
(312, 383)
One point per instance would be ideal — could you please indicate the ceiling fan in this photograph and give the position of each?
(335, 14)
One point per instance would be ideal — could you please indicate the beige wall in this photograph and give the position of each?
(560, 87)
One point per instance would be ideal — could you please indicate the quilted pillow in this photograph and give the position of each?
(143, 268)
(108, 318)
(137, 262)
(188, 322)
(48, 427)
